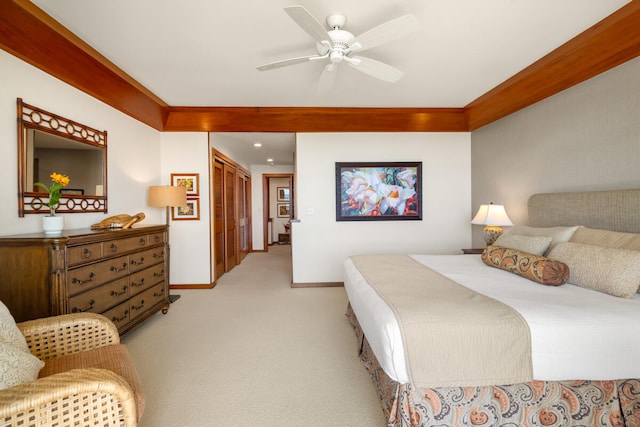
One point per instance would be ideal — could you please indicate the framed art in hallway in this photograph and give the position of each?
(283, 194)
(375, 191)
(283, 210)
(191, 211)
(190, 181)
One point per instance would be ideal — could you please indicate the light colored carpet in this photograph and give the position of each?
(254, 352)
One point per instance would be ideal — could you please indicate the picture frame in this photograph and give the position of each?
(283, 194)
(191, 181)
(378, 191)
(190, 212)
(284, 210)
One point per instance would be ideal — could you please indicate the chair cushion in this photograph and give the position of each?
(115, 358)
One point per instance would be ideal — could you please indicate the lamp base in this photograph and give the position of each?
(491, 233)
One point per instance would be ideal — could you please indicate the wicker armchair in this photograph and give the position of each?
(78, 397)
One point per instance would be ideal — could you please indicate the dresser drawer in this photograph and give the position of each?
(101, 298)
(119, 315)
(146, 300)
(121, 246)
(140, 260)
(84, 254)
(156, 238)
(88, 277)
(143, 279)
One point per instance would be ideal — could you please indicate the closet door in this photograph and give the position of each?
(230, 218)
(218, 219)
(244, 208)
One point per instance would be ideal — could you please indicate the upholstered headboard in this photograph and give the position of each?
(617, 210)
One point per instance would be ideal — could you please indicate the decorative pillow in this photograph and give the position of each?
(557, 234)
(606, 238)
(532, 244)
(17, 364)
(9, 332)
(609, 270)
(533, 267)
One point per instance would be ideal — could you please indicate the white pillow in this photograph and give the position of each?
(17, 364)
(9, 332)
(533, 244)
(609, 270)
(558, 234)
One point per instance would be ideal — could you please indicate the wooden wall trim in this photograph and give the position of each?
(27, 32)
(607, 44)
(30, 34)
(315, 119)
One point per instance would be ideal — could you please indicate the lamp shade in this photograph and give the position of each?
(491, 215)
(161, 196)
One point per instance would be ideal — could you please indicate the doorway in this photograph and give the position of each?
(278, 207)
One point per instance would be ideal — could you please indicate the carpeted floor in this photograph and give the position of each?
(254, 352)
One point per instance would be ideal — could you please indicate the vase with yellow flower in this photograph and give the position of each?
(53, 224)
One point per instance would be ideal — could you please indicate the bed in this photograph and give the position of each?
(509, 349)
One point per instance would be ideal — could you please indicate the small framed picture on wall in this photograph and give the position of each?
(283, 210)
(283, 194)
(191, 211)
(190, 181)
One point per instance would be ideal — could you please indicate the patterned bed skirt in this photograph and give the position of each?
(536, 403)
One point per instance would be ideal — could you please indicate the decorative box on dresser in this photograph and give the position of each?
(119, 273)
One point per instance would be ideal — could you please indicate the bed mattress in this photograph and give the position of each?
(576, 333)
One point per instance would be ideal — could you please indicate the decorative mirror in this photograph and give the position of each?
(50, 143)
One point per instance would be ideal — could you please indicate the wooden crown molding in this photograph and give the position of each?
(30, 34)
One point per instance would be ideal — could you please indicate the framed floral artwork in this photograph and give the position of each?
(191, 181)
(373, 191)
(191, 211)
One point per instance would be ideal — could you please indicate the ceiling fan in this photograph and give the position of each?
(337, 45)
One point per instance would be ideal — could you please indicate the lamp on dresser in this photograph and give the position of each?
(493, 217)
(167, 196)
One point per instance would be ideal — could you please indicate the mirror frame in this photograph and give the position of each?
(29, 202)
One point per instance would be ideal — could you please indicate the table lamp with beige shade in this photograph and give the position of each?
(493, 217)
(167, 196)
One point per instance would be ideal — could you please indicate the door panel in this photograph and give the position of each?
(218, 219)
(231, 229)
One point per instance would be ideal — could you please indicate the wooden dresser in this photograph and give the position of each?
(119, 273)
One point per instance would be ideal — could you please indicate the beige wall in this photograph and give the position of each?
(320, 244)
(585, 138)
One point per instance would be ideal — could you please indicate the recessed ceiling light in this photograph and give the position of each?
(269, 160)
(257, 144)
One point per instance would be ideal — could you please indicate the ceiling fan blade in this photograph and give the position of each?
(287, 62)
(384, 33)
(327, 78)
(376, 69)
(308, 23)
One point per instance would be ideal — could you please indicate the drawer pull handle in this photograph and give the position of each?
(82, 310)
(156, 238)
(117, 294)
(86, 253)
(134, 307)
(143, 241)
(158, 255)
(156, 294)
(115, 319)
(113, 247)
(134, 284)
(134, 262)
(118, 270)
(82, 282)
(160, 274)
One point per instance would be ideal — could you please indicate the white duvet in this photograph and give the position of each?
(576, 333)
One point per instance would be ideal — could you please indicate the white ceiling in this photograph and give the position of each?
(204, 52)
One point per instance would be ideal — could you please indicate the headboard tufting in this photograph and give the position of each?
(617, 210)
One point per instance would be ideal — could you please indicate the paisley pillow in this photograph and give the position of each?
(531, 266)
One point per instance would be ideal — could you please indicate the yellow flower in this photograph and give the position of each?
(58, 181)
(58, 178)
